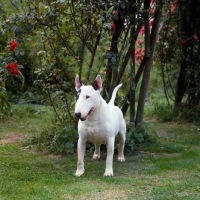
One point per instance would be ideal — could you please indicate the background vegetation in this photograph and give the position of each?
(151, 46)
(120, 40)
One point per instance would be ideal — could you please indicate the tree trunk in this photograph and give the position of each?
(143, 91)
(149, 61)
(181, 84)
(132, 87)
(111, 71)
(188, 81)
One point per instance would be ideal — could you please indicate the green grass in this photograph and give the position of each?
(25, 120)
(169, 169)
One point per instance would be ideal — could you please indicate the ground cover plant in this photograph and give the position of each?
(168, 169)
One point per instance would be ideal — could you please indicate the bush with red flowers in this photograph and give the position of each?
(12, 68)
(113, 26)
(13, 45)
(115, 12)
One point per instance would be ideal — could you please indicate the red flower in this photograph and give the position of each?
(12, 68)
(183, 42)
(139, 53)
(139, 42)
(113, 26)
(13, 45)
(158, 40)
(142, 30)
(151, 22)
(8, 66)
(173, 8)
(115, 12)
(14, 72)
(152, 10)
(112, 32)
(196, 37)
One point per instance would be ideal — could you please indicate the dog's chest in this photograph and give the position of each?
(94, 133)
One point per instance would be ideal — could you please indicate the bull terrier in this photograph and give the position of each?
(99, 123)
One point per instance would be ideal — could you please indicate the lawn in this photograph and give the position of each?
(169, 169)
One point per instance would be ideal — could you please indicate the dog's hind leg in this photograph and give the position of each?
(122, 139)
(96, 152)
(109, 159)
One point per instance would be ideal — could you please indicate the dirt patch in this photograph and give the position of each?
(100, 195)
(104, 195)
(156, 154)
(12, 138)
(54, 156)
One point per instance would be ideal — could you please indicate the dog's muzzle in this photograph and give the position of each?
(78, 115)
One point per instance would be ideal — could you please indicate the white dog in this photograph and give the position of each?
(99, 123)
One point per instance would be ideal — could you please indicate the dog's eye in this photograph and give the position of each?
(87, 96)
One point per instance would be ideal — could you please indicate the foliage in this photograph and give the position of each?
(28, 110)
(69, 37)
(63, 139)
(167, 113)
(4, 104)
(9, 68)
(58, 139)
(143, 134)
(164, 111)
(188, 114)
(64, 38)
(179, 66)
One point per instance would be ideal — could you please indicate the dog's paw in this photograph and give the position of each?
(95, 156)
(79, 172)
(121, 159)
(108, 173)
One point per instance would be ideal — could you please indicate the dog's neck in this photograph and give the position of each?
(96, 114)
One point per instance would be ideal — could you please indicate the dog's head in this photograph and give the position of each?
(87, 97)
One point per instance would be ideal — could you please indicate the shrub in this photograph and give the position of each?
(4, 104)
(165, 112)
(58, 138)
(143, 134)
(63, 139)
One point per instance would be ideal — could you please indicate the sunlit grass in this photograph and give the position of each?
(26, 119)
(168, 169)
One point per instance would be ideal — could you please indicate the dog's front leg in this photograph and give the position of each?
(81, 153)
(96, 152)
(109, 160)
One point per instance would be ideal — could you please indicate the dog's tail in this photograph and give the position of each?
(111, 102)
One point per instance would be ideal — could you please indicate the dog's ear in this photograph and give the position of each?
(78, 83)
(97, 83)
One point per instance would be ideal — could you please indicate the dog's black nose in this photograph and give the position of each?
(78, 114)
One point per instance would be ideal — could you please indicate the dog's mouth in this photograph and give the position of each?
(84, 118)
